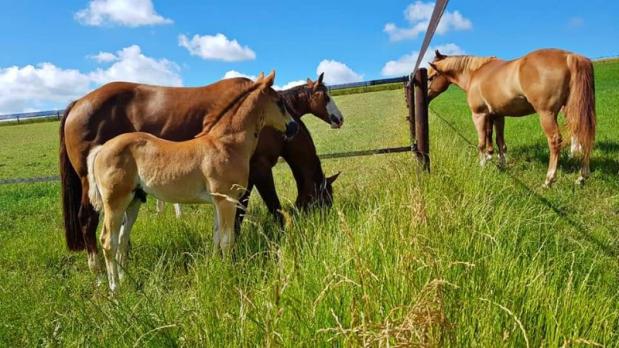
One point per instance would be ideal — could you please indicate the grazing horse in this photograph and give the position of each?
(212, 167)
(543, 81)
(313, 188)
(170, 113)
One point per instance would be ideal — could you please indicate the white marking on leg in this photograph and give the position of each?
(575, 148)
(177, 210)
(160, 205)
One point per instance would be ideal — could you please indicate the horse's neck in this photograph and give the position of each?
(465, 67)
(297, 103)
(238, 131)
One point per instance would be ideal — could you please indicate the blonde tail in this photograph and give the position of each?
(580, 106)
(93, 190)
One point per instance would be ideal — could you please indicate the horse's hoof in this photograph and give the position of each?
(547, 185)
(580, 181)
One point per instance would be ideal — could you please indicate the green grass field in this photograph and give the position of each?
(464, 256)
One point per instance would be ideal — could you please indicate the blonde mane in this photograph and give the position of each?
(463, 63)
(231, 105)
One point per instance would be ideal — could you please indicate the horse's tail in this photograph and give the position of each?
(93, 190)
(71, 192)
(580, 106)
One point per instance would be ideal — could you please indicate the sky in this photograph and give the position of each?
(56, 51)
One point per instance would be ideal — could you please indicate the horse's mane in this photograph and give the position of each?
(231, 103)
(289, 97)
(462, 63)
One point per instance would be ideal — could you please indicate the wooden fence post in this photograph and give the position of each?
(410, 104)
(421, 117)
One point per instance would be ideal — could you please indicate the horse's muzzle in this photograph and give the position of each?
(336, 122)
(292, 128)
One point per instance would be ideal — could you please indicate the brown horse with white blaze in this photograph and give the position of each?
(545, 81)
(212, 167)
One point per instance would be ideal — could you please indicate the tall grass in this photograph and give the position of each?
(464, 256)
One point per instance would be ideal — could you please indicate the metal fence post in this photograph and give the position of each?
(421, 117)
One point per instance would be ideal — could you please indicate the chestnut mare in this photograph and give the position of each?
(544, 81)
(170, 113)
(313, 188)
(212, 167)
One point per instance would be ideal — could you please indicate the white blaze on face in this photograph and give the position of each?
(335, 115)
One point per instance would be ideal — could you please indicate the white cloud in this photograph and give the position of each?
(131, 13)
(216, 47)
(290, 84)
(131, 65)
(418, 16)
(46, 86)
(104, 57)
(404, 65)
(233, 73)
(337, 72)
(35, 87)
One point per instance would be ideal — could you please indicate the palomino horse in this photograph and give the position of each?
(544, 81)
(313, 188)
(171, 113)
(212, 167)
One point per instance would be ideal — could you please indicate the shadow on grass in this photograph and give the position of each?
(606, 163)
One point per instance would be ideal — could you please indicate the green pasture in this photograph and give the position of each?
(465, 256)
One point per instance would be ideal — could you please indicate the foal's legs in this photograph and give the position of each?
(499, 125)
(225, 211)
(125, 231)
(109, 242)
(548, 120)
(480, 120)
(241, 209)
(177, 210)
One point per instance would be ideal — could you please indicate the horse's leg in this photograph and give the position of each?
(125, 232)
(89, 220)
(216, 231)
(112, 221)
(263, 179)
(480, 120)
(489, 147)
(548, 120)
(584, 168)
(160, 205)
(177, 210)
(575, 148)
(225, 210)
(241, 209)
(499, 125)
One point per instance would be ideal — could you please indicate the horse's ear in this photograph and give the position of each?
(439, 55)
(332, 178)
(320, 77)
(270, 79)
(260, 77)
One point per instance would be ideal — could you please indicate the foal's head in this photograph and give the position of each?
(272, 108)
(438, 80)
(322, 105)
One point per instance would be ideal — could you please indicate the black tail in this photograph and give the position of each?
(71, 193)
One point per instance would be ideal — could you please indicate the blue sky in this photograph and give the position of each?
(55, 51)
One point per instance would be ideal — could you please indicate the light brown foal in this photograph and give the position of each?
(212, 167)
(544, 81)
